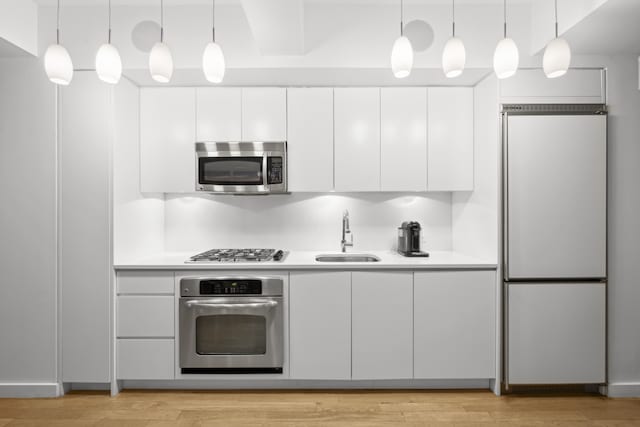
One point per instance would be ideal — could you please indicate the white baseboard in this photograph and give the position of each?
(623, 390)
(30, 390)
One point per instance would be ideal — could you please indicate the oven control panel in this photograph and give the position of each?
(231, 287)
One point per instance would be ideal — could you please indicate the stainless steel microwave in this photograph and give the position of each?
(241, 167)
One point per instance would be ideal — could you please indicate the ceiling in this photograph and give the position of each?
(614, 28)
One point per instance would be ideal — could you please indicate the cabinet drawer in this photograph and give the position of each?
(145, 282)
(145, 359)
(145, 316)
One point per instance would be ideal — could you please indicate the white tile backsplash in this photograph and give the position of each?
(303, 221)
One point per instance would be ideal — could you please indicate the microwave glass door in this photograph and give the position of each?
(231, 170)
(230, 334)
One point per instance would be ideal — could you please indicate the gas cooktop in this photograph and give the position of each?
(238, 255)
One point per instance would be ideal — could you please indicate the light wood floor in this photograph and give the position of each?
(317, 408)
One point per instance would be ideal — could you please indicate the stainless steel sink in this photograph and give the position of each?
(347, 258)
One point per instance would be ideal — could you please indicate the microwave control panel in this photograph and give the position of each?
(274, 170)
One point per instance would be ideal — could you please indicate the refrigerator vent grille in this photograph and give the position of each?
(554, 108)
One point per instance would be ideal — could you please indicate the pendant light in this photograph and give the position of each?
(454, 54)
(108, 62)
(213, 63)
(160, 60)
(557, 55)
(57, 62)
(506, 56)
(402, 52)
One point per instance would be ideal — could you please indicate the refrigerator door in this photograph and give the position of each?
(556, 333)
(556, 197)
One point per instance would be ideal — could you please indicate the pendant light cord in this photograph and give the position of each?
(109, 38)
(161, 21)
(401, 18)
(58, 24)
(505, 18)
(556, 12)
(453, 16)
(213, 20)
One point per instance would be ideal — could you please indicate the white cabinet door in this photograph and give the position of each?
(357, 139)
(264, 114)
(450, 147)
(581, 86)
(454, 324)
(557, 192)
(218, 114)
(145, 316)
(382, 325)
(320, 325)
(85, 146)
(148, 359)
(310, 144)
(556, 333)
(403, 112)
(145, 282)
(167, 140)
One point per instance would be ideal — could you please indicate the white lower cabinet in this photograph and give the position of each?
(145, 359)
(454, 321)
(320, 325)
(145, 316)
(382, 325)
(557, 333)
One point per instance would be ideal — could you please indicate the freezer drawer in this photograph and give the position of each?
(556, 333)
(556, 197)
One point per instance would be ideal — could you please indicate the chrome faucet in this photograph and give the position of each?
(345, 231)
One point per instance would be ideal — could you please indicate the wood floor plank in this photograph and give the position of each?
(305, 408)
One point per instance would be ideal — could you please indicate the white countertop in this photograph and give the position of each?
(305, 260)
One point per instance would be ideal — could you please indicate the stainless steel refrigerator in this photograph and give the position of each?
(555, 243)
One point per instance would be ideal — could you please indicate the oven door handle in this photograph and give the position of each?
(239, 305)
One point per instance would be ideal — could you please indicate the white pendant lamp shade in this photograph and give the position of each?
(506, 58)
(401, 57)
(58, 65)
(161, 63)
(213, 63)
(557, 58)
(108, 64)
(454, 57)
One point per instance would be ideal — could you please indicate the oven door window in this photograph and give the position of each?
(231, 334)
(230, 170)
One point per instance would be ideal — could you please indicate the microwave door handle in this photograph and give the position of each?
(265, 172)
(240, 305)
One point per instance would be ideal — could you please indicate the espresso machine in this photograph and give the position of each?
(409, 239)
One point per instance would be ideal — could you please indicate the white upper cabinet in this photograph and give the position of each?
(382, 325)
(450, 149)
(264, 114)
(167, 140)
(584, 86)
(403, 139)
(357, 139)
(219, 114)
(310, 144)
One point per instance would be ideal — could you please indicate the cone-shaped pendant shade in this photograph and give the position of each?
(401, 57)
(557, 58)
(58, 65)
(453, 57)
(108, 64)
(213, 63)
(506, 58)
(161, 63)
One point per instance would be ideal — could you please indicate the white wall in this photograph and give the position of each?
(27, 226)
(138, 220)
(624, 225)
(303, 221)
(475, 214)
(19, 24)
